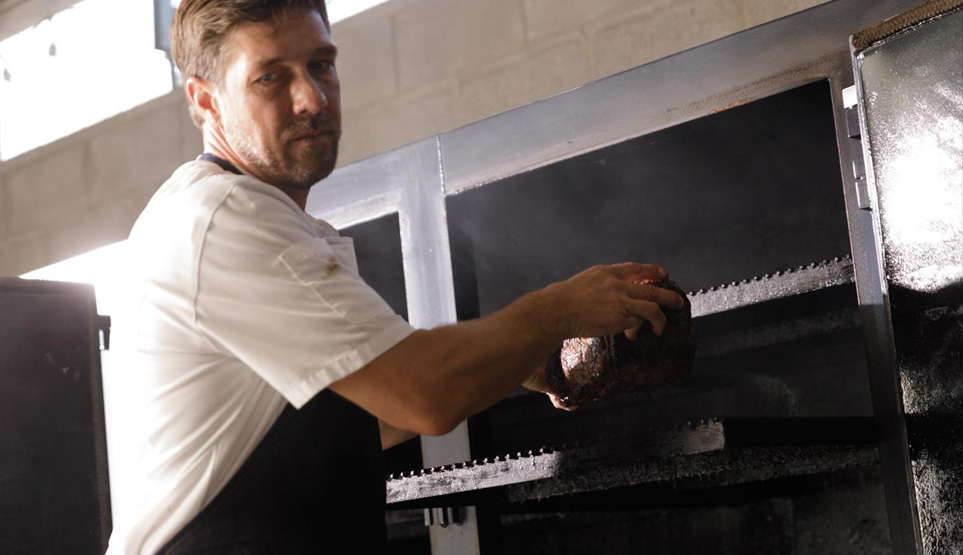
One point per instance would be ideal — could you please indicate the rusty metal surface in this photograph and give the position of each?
(803, 279)
(898, 23)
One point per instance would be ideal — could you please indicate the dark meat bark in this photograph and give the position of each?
(588, 368)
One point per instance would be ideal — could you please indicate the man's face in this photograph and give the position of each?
(280, 99)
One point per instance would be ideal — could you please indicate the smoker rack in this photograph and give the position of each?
(659, 464)
(601, 472)
(436, 484)
(718, 452)
(414, 181)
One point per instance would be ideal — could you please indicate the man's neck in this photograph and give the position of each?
(224, 164)
(215, 144)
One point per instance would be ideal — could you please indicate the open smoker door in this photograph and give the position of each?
(909, 92)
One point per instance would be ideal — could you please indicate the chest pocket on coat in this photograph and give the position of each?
(329, 267)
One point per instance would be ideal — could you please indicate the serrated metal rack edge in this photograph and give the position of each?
(759, 289)
(555, 461)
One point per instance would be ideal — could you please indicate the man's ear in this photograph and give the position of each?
(203, 97)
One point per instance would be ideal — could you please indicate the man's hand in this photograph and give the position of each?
(538, 382)
(605, 300)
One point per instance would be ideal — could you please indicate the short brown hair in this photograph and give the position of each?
(200, 28)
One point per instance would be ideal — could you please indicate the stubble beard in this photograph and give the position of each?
(300, 174)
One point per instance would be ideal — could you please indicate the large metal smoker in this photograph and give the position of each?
(804, 179)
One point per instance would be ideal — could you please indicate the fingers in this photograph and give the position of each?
(632, 271)
(601, 305)
(650, 312)
(632, 333)
(664, 297)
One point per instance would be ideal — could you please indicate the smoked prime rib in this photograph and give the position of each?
(589, 367)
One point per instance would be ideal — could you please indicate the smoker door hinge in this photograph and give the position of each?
(856, 148)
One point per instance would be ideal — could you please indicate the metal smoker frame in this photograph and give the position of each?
(414, 180)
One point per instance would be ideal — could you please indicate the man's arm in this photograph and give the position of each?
(391, 436)
(434, 379)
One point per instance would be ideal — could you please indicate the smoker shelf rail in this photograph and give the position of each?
(713, 452)
(804, 279)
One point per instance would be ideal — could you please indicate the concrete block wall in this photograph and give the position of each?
(413, 68)
(409, 69)
(85, 191)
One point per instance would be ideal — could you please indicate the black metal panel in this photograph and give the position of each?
(54, 493)
(377, 245)
(743, 192)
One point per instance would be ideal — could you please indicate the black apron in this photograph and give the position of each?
(314, 484)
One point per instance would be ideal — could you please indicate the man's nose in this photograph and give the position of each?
(309, 96)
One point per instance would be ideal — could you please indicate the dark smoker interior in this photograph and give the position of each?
(748, 191)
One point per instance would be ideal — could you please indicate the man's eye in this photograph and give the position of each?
(267, 78)
(320, 67)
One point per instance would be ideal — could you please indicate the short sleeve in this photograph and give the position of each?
(285, 302)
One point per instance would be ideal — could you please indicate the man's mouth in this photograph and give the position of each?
(313, 136)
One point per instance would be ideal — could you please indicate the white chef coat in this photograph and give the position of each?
(241, 303)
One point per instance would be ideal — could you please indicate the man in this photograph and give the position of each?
(268, 373)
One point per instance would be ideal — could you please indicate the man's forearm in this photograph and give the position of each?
(483, 360)
(391, 436)
(436, 378)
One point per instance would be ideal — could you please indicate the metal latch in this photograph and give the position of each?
(856, 148)
(443, 516)
(103, 327)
